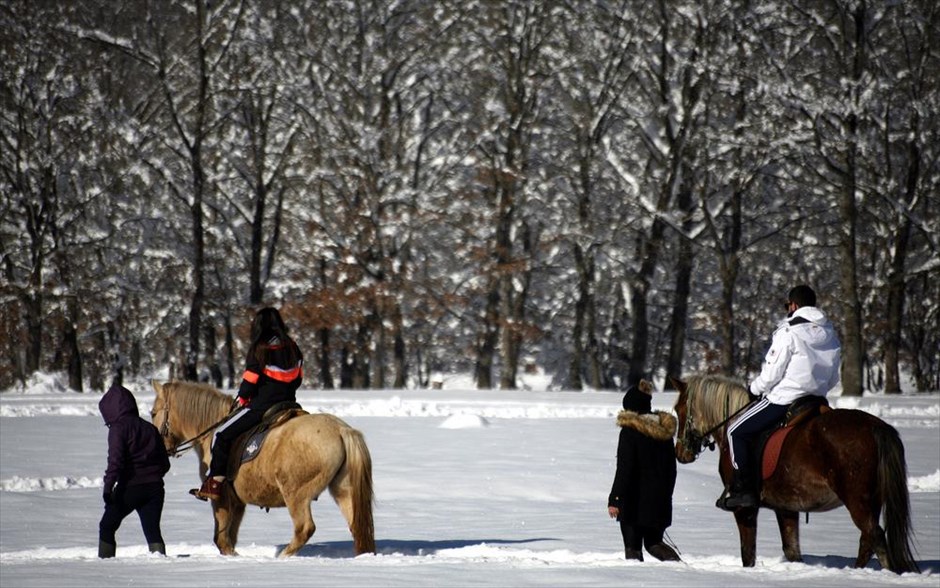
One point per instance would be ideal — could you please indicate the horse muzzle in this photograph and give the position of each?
(684, 455)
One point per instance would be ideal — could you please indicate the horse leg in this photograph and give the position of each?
(237, 509)
(747, 530)
(298, 505)
(341, 493)
(872, 539)
(228, 516)
(789, 523)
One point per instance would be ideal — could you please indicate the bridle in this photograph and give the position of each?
(697, 442)
(165, 427)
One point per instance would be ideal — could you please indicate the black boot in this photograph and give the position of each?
(742, 494)
(106, 550)
(663, 552)
(634, 554)
(157, 548)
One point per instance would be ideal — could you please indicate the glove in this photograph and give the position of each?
(242, 401)
(750, 391)
(108, 497)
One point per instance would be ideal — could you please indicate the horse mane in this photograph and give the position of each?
(714, 398)
(200, 402)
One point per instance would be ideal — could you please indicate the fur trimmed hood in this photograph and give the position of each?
(658, 425)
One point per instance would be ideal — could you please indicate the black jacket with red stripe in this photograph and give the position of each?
(266, 385)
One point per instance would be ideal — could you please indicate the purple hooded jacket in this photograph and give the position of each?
(136, 454)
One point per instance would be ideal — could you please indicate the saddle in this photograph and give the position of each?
(248, 445)
(770, 443)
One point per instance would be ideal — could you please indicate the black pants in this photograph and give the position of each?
(146, 499)
(636, 536)
(225, 436)
(757, 417)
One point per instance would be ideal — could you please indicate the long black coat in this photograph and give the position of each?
(646, 469)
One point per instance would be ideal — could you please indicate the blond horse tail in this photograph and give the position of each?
(359, 468)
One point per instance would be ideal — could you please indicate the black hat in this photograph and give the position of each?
(639, 398)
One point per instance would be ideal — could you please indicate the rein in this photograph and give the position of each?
(183, 447)
(698, 442)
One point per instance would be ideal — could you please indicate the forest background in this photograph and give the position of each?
(598, 191)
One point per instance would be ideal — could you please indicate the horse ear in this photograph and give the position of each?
(677, 383)
(157, 387)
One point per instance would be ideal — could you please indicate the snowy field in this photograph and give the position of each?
(472, 489)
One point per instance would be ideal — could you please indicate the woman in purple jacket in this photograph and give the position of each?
(137, 462)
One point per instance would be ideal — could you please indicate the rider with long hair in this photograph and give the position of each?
(273, 373)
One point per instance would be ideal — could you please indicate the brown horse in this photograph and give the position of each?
(841, 457)
(298, 461)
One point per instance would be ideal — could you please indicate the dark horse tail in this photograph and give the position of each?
(892, 484)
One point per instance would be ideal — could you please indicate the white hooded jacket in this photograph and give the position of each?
(803, 359)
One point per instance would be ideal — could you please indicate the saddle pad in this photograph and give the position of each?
(772, 451)
(256, 436)
(253, 445)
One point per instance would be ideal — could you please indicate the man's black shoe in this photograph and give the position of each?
(743, 500)
(740, 495)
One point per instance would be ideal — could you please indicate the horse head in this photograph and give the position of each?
(693, 434)
(160, 417)
(688, 441)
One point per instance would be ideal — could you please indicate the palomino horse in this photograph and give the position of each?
(841, 457)
(298, 461)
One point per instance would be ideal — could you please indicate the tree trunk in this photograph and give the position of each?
(683, 289)
(896, 281)
(648, 254)
(74, 365)
(230, 350)
(895, 312)
(575, 362)
(32, 316)
(379, 334)
(517, 327)
(360, 358)
(212, 356)
(680, 308)
(852, 345)
(853, 350)
(116, 360)
(398, 349)
(191, 371)
(326, 377)
(255, 291)
(729, 262)
(486, 341)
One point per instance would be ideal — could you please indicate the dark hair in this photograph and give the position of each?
(268, 325)
(802, 295)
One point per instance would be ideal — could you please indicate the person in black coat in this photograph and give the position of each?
(273, 373)
(641, 496)
(133, 480)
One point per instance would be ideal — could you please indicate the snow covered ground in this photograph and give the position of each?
(473, 488)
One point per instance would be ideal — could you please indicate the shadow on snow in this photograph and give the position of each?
(416, 547)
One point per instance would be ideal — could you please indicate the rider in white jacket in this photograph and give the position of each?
(803, 360)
